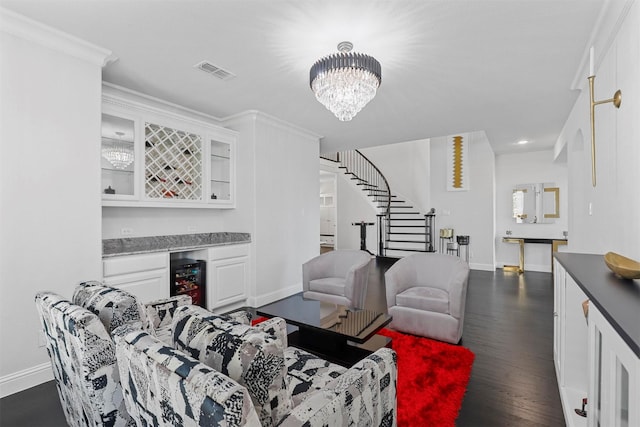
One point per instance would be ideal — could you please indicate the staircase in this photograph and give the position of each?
(402, 229)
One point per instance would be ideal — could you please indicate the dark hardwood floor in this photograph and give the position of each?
(508, 325)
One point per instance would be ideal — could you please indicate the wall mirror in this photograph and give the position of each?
(536, 203)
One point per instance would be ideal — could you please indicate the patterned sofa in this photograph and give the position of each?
(289, 386)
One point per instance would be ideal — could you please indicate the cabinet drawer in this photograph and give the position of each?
(230, 251)
(135, 263)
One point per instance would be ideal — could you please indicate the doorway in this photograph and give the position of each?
(328, 211)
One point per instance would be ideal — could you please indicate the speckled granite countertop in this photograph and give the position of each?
(141, 245)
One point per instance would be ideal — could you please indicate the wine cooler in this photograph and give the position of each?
(188, 277)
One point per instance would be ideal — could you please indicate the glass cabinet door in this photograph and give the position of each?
(118, 157)
(220, 172)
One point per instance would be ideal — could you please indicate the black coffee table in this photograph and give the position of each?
(330, 331)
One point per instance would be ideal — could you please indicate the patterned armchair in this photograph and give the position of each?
(84, 364)
(82, 352)
(163, 386)
(289, 386)
(330, 395)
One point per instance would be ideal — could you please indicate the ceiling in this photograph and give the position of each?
(448, 66)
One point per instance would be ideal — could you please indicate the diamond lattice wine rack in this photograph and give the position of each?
(173, 163)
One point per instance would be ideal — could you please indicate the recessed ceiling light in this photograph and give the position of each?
(522, 142)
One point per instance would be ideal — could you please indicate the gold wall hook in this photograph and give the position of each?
(616, 100)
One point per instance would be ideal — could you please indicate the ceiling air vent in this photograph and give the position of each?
(218, 72)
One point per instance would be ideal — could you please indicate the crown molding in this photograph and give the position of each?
(36, 32)
(260, 117)
(132, 100)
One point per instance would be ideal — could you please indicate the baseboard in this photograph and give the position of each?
(27, 378)
(483, 267)
(274, 296)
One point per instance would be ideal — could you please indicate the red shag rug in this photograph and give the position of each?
(432, 379)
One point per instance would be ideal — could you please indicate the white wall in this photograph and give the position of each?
(405, 166)
(160, 221)
(50, 184)
(282, 192)
(469, 212)
(614, 223)
(528, 168)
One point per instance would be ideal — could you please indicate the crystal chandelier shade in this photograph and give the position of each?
(345, 82)
(118, 154)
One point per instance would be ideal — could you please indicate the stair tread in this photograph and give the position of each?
(406, 241)
(408, 226)
(407, 250)
(405, 233)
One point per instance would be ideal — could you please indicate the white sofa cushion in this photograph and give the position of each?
(328, 285)
(424, 298)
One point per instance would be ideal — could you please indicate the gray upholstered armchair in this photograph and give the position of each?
(426, 295)
(338, 277)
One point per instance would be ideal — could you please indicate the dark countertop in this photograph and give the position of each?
(536, 239)
(142, 245)
(617, 299)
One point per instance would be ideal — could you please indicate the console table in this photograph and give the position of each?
(522, 240)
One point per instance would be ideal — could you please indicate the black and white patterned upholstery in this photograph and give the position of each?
(158, 316)
(363, 395)
(84, 364)
(116, 307)
(163, 386)
(249, 355)
(113, 306)
(308, 373)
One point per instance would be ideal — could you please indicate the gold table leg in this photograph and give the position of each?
(520, 267)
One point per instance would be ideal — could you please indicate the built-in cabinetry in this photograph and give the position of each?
(227, 275)
(146, 276)
(596, 355)
(160, 158)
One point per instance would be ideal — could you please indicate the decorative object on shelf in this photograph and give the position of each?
(213, 196)
(616, 100)
(109, 190)
(345, 82)
(446, 237)
(117, 153)
(457, 162)
(622, 266)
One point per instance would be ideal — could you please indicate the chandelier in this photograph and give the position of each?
(345, 82)
(117, 153)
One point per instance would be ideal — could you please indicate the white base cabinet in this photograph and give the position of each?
(592, 359)
(145, 276)
(614, 380)
(227, 275)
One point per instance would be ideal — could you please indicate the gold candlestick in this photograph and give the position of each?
(617, 100)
